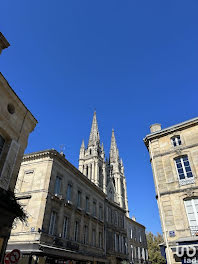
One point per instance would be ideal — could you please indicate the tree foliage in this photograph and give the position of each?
(154, 252)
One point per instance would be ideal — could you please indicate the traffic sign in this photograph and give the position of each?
(6, 259)
(14, 256)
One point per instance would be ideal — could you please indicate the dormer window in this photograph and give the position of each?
(176, 141)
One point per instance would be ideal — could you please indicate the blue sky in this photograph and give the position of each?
(134, 61)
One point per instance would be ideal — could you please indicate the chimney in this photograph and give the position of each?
(4, 44)
(155, 128)
(133, 218)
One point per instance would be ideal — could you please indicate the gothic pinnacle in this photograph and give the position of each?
(94, 137)
(114, 154)
(83, 144)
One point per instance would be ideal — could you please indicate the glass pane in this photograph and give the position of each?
(178, 160)
(186, 163)
(179, 165)
(180, 171)
(181, 176)
(189, 174)
(188, 169)
(185, 158)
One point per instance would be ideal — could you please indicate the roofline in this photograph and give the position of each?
(134, 222)
(169, 130)
(18, 97)
(55, 154)
(4, 42)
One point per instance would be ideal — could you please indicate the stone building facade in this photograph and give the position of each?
(69, 217)
(174, 160)
(137, 243)
(74, 215)
(16, 123)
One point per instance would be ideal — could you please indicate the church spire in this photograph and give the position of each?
(94, 137)
(83, 144)
(114, 153)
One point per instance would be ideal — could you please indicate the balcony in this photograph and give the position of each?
(186, 181)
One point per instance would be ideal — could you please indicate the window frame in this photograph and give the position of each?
(79, 199)
(58, 186)
(186, 179)
(69, 187)
(176, 141)
(76, 231)
(65, 227)
(52, 225)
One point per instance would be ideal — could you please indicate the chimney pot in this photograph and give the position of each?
(155, 128)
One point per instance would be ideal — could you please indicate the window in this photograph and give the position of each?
(2, 142)
(100, 239)
(176, 141)
(131, 233)
(65, 224)
(131, 252)
(140, 238)
(125, 245)
(116, 218)
(52, 223)
(68, 196)
(192, 214)
(79, 199)
(139, 255)
(85, 234)
(94, 208)
(100, 213)
(87, 204)
(184, 170)
(115, 242)
(109, 215)
(76, 231)
(94, 237)
(57, 188)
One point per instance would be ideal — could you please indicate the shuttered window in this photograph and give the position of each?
(192, 214)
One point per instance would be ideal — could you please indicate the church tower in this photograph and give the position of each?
(92, 159)
(116, 174)
(109, 174)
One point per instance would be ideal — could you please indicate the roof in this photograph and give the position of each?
(135, 222)
(171, 129)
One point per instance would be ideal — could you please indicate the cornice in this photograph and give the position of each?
(53, 154)
(135, 223)
(170, 130)
(175, 150)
